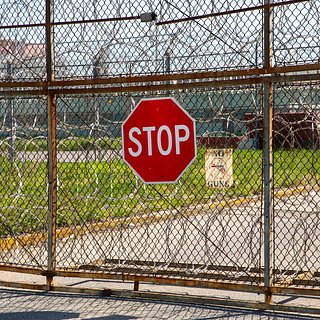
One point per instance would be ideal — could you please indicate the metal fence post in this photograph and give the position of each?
(10, 113)
(52, 190)
(52, 149)
(267, 156)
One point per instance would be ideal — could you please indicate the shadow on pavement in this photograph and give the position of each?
(29, 305)
(39, 315)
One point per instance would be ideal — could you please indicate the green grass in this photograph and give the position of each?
(67, 144)
(93, 191)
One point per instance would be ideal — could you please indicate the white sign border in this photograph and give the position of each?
(195, 140)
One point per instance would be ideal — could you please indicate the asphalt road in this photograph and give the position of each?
(227, 236)
(230, 236)
(69, 156)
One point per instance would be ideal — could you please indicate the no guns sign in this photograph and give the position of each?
(218, 164)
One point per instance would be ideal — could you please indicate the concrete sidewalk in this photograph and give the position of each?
(19, 304)
(30, 305)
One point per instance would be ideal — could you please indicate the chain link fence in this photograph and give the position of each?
(247, 72)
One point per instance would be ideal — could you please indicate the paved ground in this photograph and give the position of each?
(229, 237)
(293, 214)
(28, 305)
(18, 304)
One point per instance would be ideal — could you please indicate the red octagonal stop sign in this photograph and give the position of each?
(159, 140)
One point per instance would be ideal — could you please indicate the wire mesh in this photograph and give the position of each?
(121, 225)
(131, 47)
(95, 39)
(107, 219)
(295, 33)
(297, 172)
(23, 171)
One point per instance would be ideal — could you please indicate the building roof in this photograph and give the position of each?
(22, 49)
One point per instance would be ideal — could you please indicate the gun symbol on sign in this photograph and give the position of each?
(220, 167)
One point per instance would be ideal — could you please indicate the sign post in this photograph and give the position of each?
(159, 140)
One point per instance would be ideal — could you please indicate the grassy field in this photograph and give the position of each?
(94, 191)
(67, 144)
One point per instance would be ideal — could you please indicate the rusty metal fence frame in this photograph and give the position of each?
(265, 76)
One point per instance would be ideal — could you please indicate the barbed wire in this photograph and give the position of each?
(94, 39)
(90, 36)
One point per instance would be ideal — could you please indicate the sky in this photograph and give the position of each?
(134, 47)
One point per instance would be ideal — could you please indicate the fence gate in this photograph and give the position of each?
(244, 216)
